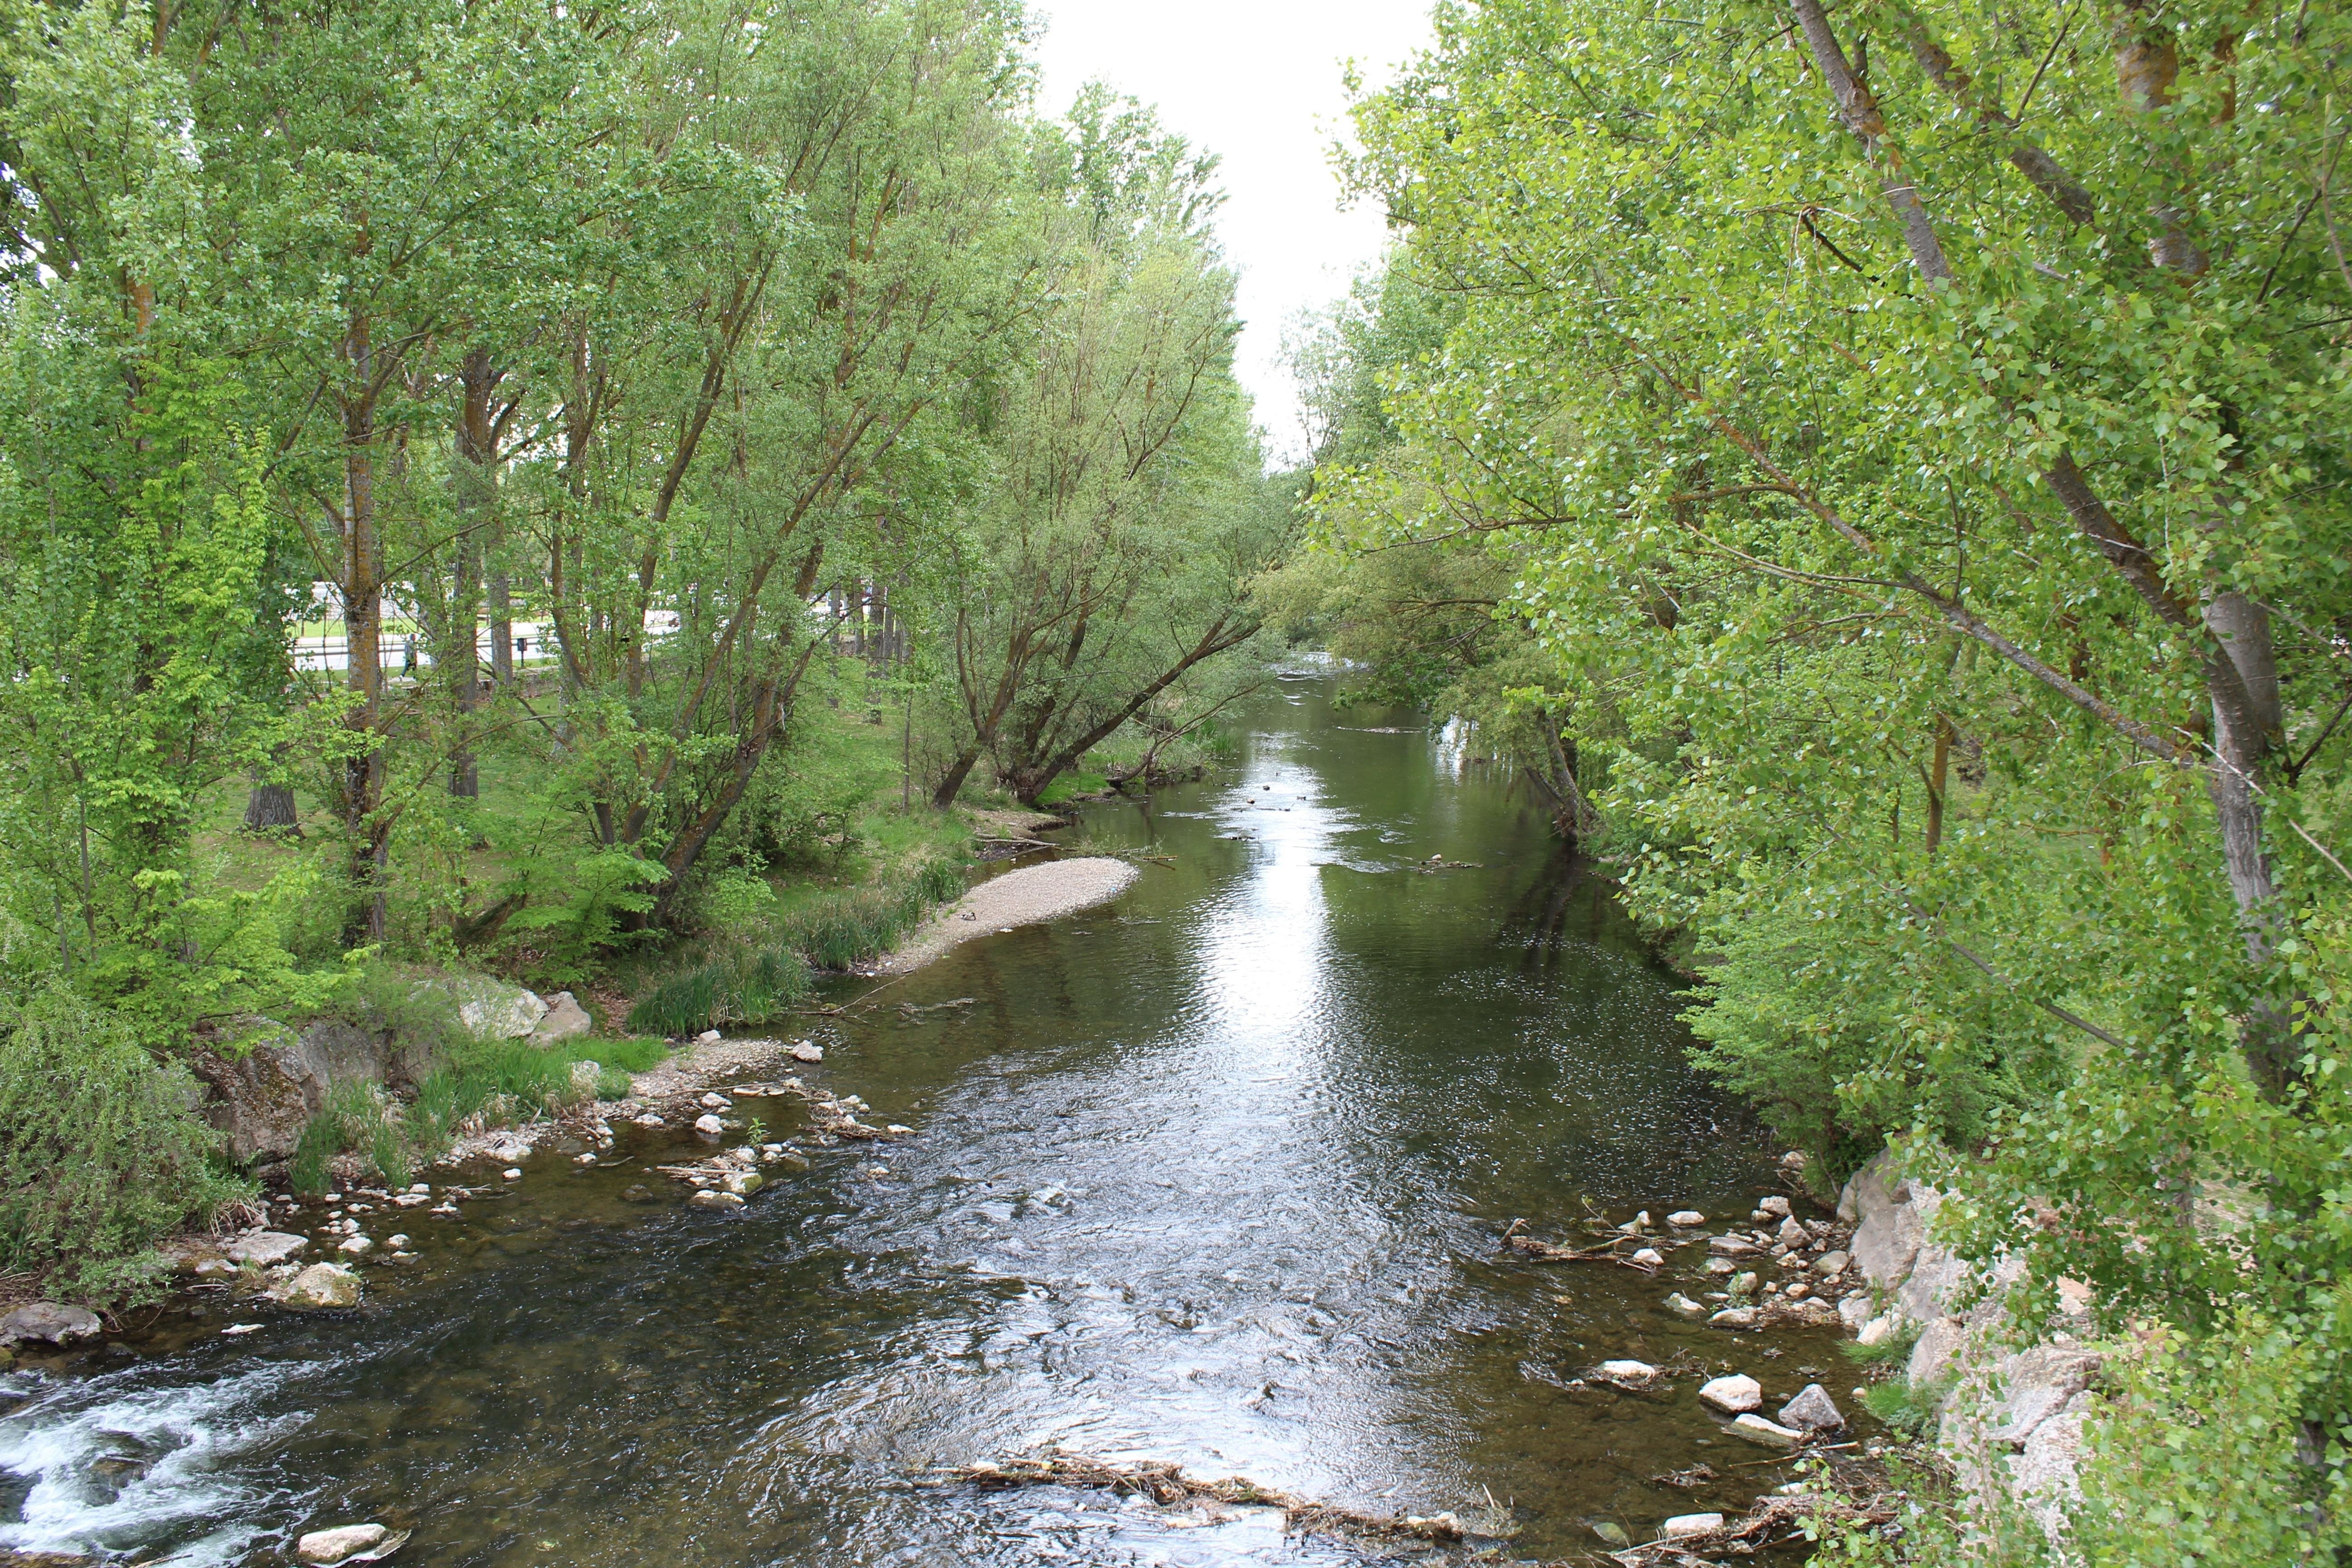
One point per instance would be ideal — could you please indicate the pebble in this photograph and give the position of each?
(422, 1187)
(1684, 1524)
(714, 1102)
(709, 1123)
(587, 1159)
(1651, 1256)
(1733, 1395)
(397, 1243)
(1686, 1217)
(1793, 1232)
(1734, 1318)
(806, 1052)
(512, 1174)
(1721, 1266)
(649, 1120)
(1876, 1332)
(356, 1245)
(636, 1193)
(1628, 1370)
(897, 1131)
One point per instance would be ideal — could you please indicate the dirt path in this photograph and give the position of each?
(1020, 897)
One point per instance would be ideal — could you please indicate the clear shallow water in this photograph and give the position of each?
(1213, 1174)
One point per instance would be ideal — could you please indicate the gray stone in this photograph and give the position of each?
(1813, 1410)
(263, 1249)
(1744, 1284)
(1627, 1371)
(51, 1322)
(1755, 1429)
(709, 1124)
(1686, 1218)
(339, 1545)
(1792, 1233)
(807, 1052)
(1938, 1346)
(2044, 1475)
(1854, 1310)
(565, 1019)
(1830, 1264)
(716, 1200)
(266, 1088)
(320, 1287)
(1734, 1318)
(1732, 1247)
(493, 1010)
(1775, 1205)
(1734, 1395)
(1876, 1332)
(1682, 1306)
(2035, 1384)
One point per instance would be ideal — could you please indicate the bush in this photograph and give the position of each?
(102, 1152)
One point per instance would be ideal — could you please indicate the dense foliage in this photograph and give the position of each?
(1906, 449)
(502, 451)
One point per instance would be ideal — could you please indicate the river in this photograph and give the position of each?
(1213, 1174)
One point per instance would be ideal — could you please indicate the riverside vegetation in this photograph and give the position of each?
(1879, 470)
(1877, 473)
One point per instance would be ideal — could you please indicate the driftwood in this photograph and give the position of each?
(1167, 1484)
(1535, 1251)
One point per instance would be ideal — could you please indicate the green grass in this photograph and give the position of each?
(1070, 785)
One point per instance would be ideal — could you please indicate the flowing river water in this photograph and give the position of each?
(1213, 1174)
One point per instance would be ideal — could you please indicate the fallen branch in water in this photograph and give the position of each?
(1167, 1484)
(1535, 1251)
(1753, 1531)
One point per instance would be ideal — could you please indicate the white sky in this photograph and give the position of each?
(1259, 82)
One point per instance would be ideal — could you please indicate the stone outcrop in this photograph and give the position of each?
(2012, 1422)
(565, 1019)
(263, 1094)
(49, 1323)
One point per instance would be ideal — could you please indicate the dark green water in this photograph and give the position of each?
(1213, 1174)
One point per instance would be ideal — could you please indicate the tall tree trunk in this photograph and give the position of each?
(459, 655)
(1938, 771)
(362, 591)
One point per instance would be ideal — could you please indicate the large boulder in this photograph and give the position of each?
(51, 1323)
(266, 1087)
(493, 1010)
(565, 1019)
(261, 1248)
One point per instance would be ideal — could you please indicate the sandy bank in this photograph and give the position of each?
(1018, 898)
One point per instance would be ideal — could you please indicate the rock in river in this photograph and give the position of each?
(49, 1321)
(1684, 1524)
(716, 1200)
(1686, 1217)
(1755, 1429)
(263, 1247)
(1733, 1395)
(1813, 1410)
(1734, 1318)
(1682, 1306)
(710, 1125)
(1775, 1205)
(1732, 1247)
(323, 1285)
(343, 1543)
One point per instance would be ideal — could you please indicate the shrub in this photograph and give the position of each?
(102, 1152)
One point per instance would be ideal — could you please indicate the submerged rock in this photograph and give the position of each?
(636, 1193)
(51, 1322)
(1682, 1306)
(716, 1200)
(1610, 1531)
(1733, 1395)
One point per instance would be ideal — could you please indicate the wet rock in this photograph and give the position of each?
(1610, 1531)
(511, 1173)
(1732, 1247)
(1721, 1266)
(1651, 1256)
(1637, 1224)
(743, 1184)
(1744, 1284)
(1734, 1318)
(1684, 1524)
(714, 1101)
(716, 1200)
(709, 1124)
(1771, 1434)
(262, 1249)
(1831, 1263)
(636, 1193)
(791, 1159)
(1734, 1395)
(339, 1545)
(1628, 1370)
(1682, 1306)
(1813, 1410)
(320, 1287)
(565, 1019)
(1686, 1218)
(1792, 1233)
(649, 1120)
(51, 1322)
(1775, 1205)
(356, 1246)
(806, 1052)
